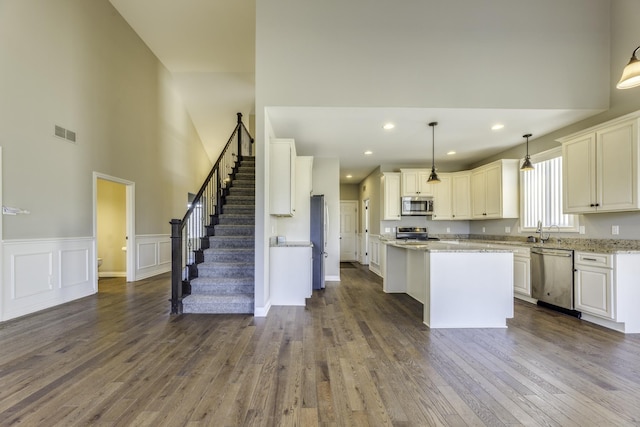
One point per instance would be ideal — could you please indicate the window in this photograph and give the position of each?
(541, 191)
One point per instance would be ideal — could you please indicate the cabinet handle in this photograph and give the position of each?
(592, 205)
(589, 259)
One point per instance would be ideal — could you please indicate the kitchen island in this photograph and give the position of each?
(460, 286)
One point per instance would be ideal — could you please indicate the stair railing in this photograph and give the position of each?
(190, 235)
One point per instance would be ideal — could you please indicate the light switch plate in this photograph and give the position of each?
(582, 231)
(507, 229)
(615, 229)
(484, 229)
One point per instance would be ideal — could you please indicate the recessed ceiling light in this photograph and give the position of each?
(388, 126)
(451, 153)
(349, 176)
(368, 153)
(497, 126)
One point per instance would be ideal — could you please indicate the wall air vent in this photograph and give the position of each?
(60, 131)
(65, 134)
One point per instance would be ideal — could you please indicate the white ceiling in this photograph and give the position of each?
(213, 64)
(348, 132)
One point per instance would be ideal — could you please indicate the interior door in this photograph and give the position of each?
(348, 222)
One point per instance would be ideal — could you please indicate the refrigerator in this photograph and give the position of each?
(318, 231)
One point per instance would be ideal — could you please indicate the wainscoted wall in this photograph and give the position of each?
(153, 255)
(374, 254)
(39, 274)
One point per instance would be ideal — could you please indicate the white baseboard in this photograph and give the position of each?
(103, 274)
(262, 311)
(332, 278)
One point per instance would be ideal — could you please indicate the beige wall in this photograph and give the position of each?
(349, 191)
(77, 64)
(111, 226)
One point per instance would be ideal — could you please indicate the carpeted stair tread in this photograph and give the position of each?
(225, 280)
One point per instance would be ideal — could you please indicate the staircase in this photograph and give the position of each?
(225, 280)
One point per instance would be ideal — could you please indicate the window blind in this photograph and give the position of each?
(542, 196)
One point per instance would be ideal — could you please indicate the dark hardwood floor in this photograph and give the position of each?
(353, 356)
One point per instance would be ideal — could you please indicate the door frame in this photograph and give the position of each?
(130, 219)
(2, 284)
(366, 225)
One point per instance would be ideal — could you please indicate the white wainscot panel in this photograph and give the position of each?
(74, 267)
(164, 251)
(39, 274)
(153, 254)
(147, 255)
(31, 274)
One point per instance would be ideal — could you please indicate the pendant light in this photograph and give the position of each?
(527, 165)
(631, 73)
(433, 178)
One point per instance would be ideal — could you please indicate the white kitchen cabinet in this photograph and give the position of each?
(442, 202)
(461, 195)
(390, 197)
(522, 272)
(290, 271)
(593, 284)
(494, 190)
(414, 183)
(282, 177)
(600, 168)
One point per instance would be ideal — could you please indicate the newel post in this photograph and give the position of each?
(239, 136)
(176, 266)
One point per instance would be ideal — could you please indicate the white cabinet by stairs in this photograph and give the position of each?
(414, 183)
(282, 174)
(494, 190)
(390, 196)
(290, 274)
(600, 168)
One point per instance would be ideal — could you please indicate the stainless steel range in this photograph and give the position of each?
(413, 233)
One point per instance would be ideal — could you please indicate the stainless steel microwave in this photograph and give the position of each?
(417, 206)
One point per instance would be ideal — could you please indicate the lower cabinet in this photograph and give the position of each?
(522, 274)
(593, 284)
(290, 274)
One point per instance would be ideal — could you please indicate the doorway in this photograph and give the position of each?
(113, 227)
(348, 230)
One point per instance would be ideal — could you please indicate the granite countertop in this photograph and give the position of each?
(603, 246)
(293, 244)
(446, 246)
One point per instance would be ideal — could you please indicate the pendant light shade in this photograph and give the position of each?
(433, 178)
(631, 73)
(527, 165)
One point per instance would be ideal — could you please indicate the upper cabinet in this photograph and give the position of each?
(390, 192)
(414, 182)
(461, 195)
(600, 168)
(282, 173)
(442, 198)
(494, 190)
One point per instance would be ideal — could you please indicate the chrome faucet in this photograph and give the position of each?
(541, 232)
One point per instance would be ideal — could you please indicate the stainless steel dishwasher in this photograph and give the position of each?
(552, 277)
